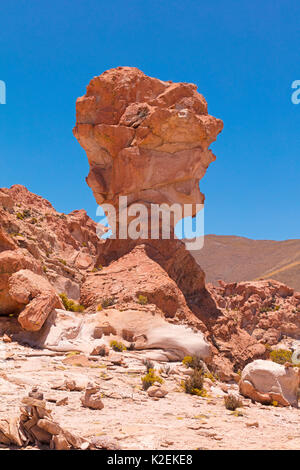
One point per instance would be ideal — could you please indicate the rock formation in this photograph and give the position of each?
(61, 247)
(268, 382)
(42, 252)
(145, 138)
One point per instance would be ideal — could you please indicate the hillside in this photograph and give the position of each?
(234, 258)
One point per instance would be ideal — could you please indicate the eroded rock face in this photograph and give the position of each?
(144, 138)
(33, 235)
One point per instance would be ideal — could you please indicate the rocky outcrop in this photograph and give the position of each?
(266, 310)
(148, 140)
(60, 247)
(12, 261)
(268, 382)
(145, 138)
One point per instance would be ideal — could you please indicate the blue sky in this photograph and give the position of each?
(243, 55)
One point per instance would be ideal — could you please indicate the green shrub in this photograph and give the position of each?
(62, 261)
(149, 379)
(281, 356)
(142, 299)
(194, 384)
(70, 305)
(117, 346)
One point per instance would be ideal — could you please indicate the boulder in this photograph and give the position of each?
(92, 398)
(267, 382)
(40, 298)
(157, 391)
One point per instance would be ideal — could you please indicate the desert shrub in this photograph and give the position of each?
(281, 356)
(107, 302)
(70, 305)
(232, 402)
(193, 362)
(148, 364)
(24, 215)
(99, 308)
(194, 384)
(165, 369)
(210, 376)
(150, 378)
(142, 299)
(117, 346)
(62, 261)
(44, 269)
(97, 268)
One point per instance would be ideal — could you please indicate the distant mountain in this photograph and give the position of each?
(234, 258)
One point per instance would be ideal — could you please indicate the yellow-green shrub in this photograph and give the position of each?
(142, 299)
(281, 356)
(193, 362)
(194, 384)
(149, 379)
(70, 305)
(117, 346)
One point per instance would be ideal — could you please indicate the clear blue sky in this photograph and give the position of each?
(243, 55)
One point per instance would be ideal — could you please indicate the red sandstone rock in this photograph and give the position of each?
(36, 292)
(64, 246)
(145, 138)
(148, 140)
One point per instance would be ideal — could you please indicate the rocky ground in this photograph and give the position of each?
(130, 418)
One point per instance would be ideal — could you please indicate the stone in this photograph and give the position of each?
(62, 402)
(6, 339)
(34, 291)
(157, 391)
(60, 443)
(92, 398)
(35, 393)
(101, 350)
(9, 431)
(267, 382)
